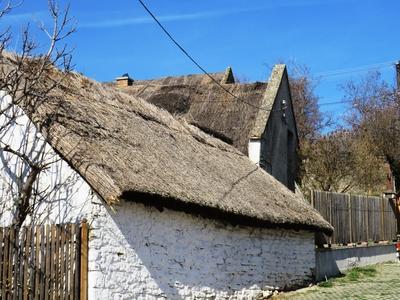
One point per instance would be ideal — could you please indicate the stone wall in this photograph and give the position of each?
(138, 252)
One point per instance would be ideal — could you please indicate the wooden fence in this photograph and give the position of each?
(356, 219)
(44, 262)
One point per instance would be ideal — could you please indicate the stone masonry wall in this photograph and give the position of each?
(138, 252)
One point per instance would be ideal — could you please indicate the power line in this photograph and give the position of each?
(196, 63)
(355, 70)
(358, 68)
(349, 101)
(335, 102)
(322, 75)
(319, 104)
(253, 105)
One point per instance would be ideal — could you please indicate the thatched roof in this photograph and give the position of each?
(204, 104)
(192, 79)
(127, 148)
(207, 106)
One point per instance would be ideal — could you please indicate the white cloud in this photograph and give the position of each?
(166, 18)
(128, 21)
(23, 17)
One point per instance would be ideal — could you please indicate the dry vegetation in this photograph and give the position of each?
(351, 159)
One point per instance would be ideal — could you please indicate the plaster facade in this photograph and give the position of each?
(139, 252)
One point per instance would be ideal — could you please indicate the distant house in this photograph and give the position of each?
(261, 126)
(174, 213)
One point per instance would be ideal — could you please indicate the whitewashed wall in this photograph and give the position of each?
(254, 149)
(138, 252)
(66, 194)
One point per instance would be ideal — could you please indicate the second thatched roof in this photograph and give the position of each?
(206, 105)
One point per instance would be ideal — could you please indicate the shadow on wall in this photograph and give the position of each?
(175, 255)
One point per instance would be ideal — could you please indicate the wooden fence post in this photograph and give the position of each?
(350, 219)
(358, 218)
(10, 262)
(44, 262)
(84, 261)
(367, 220)
(334, 235)
(3, 288)
(382, 231)
(1, 260)
(312, 198)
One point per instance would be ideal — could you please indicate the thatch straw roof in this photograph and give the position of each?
(127, 148)
(193, 79)
(204, 104)
(208, 107)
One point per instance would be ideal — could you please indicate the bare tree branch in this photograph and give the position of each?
(26, 79)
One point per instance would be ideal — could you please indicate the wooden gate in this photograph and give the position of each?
(44, 262)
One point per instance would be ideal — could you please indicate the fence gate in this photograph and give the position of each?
(44, 262)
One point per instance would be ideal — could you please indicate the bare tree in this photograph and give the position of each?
(328, 165)
(375, 118)
(25, 80)
(345, 160)
(341, 162)
(309, 119)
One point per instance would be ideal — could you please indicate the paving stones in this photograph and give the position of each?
(385, 285)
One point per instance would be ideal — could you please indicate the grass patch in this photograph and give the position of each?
(357, 273)
(351, 275)
(326, 284)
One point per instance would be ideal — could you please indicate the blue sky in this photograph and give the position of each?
(338, 36)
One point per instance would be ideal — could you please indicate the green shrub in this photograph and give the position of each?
(357, 273)
(326, 284)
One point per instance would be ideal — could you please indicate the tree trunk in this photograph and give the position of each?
(23, 208)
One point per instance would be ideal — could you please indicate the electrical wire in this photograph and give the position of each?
(321, 75)
(335, 102)
(197, 64)
(355, 70)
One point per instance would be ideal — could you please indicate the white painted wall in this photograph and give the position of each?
(138, 252)
(255, 151)
(67, 195)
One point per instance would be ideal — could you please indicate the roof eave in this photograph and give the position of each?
(214, 213)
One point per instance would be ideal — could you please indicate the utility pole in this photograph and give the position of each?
(398, 75)
(396, 201)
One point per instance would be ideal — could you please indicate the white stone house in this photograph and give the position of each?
(174, 213)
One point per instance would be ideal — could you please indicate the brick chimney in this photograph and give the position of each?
(124, 80)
